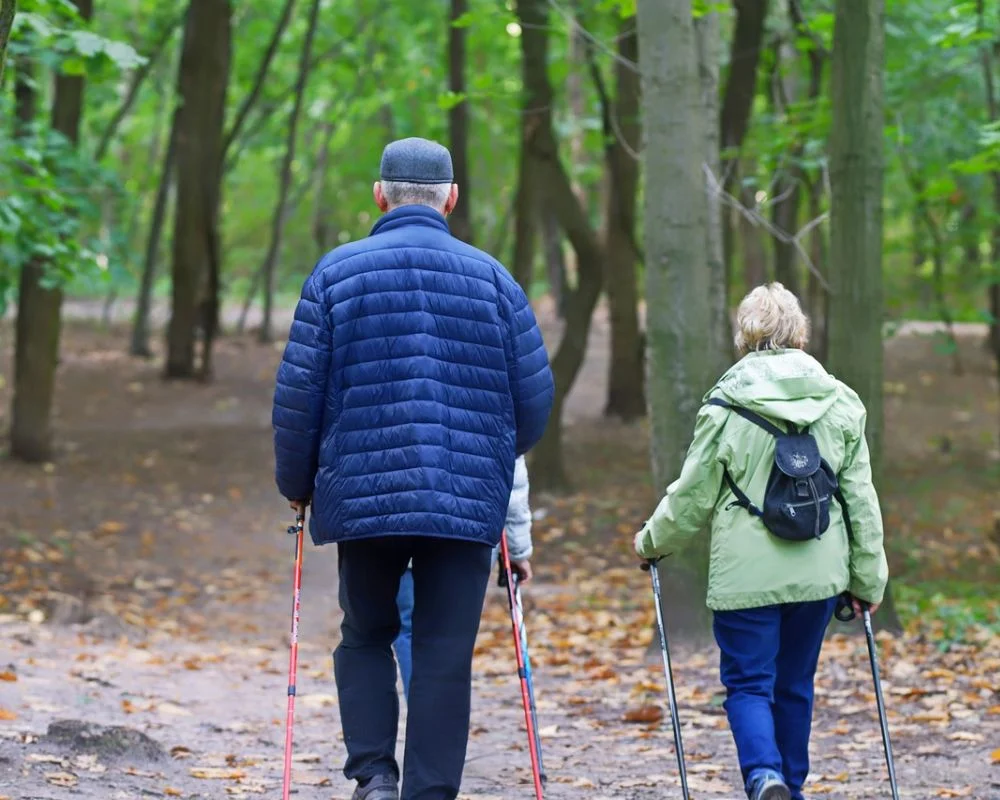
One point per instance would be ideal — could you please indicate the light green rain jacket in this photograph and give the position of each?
(749, 567)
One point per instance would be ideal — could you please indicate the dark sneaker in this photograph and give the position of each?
(381, 787)
(767, 785)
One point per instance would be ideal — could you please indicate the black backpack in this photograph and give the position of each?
(796, 503)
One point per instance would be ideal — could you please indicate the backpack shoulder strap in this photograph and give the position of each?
(846, 512)
(749, 416)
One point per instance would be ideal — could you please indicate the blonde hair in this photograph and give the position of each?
(770, 318)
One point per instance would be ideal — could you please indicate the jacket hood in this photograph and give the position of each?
(781, 384)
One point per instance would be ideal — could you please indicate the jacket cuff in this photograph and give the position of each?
(645, 548)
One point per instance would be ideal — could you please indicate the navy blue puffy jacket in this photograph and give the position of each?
(414, 374)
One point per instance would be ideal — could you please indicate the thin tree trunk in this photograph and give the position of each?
(7, 10)
(707, 40)
(542, 148)
(320, 226)
(280, 211)
(993, 112)
(753, 252)
(819, 298)
(458, 123)
(201, 88)
(144, 301)
(737, 104)
(678, 279)
(36, 353)
(526, 198)
(626, 370)
(555, 260)
(135, 84)
(856, 176)
(258, 83)
(787, 195)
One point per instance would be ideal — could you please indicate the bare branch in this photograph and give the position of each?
(756, 219)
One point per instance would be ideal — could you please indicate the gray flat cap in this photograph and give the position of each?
(416, 160)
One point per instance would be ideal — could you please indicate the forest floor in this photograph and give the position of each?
(145, 582)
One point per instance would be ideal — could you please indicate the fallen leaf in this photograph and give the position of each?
(61, 778)
(172, 792)
(646, 714)
(217, 773)
(8, 676)
(6, 714)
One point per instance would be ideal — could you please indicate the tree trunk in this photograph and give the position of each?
(753, 251)
(737, 104)
(7, 10)
(626, 373)
(787, 197)
(246, 106)
(36, 352)
(320, 226)
(856, 179)
(993, 113)
(542, 149)
(201, 88)
(526, 204)
(555, 260)
(281, 209)
(678, 276)
(143, 72)
(458, 123)
(818, 303)
(707, 39)
(144, 301)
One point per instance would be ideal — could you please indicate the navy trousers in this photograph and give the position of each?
(768, 665)
(449, 586)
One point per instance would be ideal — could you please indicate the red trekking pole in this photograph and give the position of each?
(529, 717)
(293, 659)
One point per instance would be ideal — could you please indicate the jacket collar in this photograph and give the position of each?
(402, 216)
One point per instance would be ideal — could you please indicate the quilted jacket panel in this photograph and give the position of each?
(414, 374)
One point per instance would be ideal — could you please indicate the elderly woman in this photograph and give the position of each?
(772, 591)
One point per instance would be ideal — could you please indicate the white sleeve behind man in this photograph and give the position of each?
(518, 522)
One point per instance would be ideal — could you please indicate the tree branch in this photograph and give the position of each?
(138, 78)
(258, 84)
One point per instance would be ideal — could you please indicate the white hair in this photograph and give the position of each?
(401, 193)
(770, 318)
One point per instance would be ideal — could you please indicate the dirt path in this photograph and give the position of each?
(157, 539)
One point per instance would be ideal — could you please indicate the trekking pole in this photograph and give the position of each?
(529, 717)
(527, 674)
(650, 567)
(845, 613)
(293, 658)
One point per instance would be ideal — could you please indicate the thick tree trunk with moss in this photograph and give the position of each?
(679, 312)
(626, 370)
(541, 147)
(201, 87)
(458, 122)
(36, 353)
(856, 179)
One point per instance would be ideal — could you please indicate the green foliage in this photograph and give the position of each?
(951, 612)
(51, 206)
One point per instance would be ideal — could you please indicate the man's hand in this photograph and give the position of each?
(299, 506)
(522, 569)
(859, 606)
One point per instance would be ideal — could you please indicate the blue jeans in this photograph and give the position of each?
(768, 665)
(404, 642)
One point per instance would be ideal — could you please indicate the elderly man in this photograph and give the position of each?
(414, 375)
